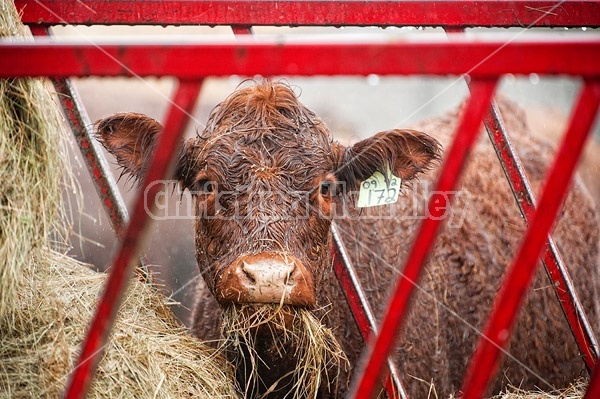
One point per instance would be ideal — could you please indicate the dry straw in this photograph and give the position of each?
(47, 299)
(148, 356)
(573, 391)
(291, 332)
(31, 168)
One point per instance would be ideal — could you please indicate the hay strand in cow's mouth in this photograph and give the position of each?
(289, 334)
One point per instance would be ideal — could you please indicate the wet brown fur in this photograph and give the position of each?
(262, 140)
(466, 266)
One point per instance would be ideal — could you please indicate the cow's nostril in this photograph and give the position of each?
(289, 279)
(249, 275)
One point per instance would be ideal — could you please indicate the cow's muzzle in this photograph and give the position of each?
(267, 278)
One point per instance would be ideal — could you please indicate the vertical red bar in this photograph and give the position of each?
(118, 279)
(467, 131)
(497, 332)
(241, 30)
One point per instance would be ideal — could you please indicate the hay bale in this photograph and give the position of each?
(32, 168)
(47, 299)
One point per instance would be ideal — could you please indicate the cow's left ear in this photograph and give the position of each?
(406, 152)
(132, 139)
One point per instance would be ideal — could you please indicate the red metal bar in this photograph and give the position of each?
(478, 57)
(551, 259)
(81, 126)
(448, 13)
(118, 279)
(496, 334)
(360, 307)
(466, 134)
(593, 389)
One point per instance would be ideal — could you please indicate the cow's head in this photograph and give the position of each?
(266, 179)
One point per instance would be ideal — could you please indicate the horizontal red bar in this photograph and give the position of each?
(479, 58)
(448, 13)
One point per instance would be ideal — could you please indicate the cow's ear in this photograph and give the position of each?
(406, 152)
(132, 138)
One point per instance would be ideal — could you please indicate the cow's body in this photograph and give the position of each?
(262, 152)
(466, 267)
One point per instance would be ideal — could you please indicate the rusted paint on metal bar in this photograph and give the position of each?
(496, 334)
(446, 13)
(360, 307)
(553, 263)
(118, 279)
(478, 57)
(466, 134)
(103, 180)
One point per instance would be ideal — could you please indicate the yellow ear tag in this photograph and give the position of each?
(374, 191)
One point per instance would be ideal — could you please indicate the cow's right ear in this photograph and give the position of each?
(132, 138)
(407, 153)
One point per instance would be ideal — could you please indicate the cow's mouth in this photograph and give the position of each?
(262, 318)
(269, 278)
(301, 351)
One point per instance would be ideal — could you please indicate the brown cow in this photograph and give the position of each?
(268, 180)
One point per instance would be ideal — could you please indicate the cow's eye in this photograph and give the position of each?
(327, 188)
(208, 186)
(204, 186)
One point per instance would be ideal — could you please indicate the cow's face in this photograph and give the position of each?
(266, 180)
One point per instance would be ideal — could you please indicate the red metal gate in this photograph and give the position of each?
(483, 61)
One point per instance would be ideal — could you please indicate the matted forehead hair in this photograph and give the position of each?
(264, 107)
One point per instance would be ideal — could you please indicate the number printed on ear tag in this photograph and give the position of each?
(374, 191)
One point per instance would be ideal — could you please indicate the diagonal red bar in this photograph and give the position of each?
(467, 131)
(551, 259)
(120, 272)
(497, 332)
(360, 307)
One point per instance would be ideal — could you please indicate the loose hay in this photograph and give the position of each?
(148, 356)
(573, 391)
(290, 332)
(47, 299)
